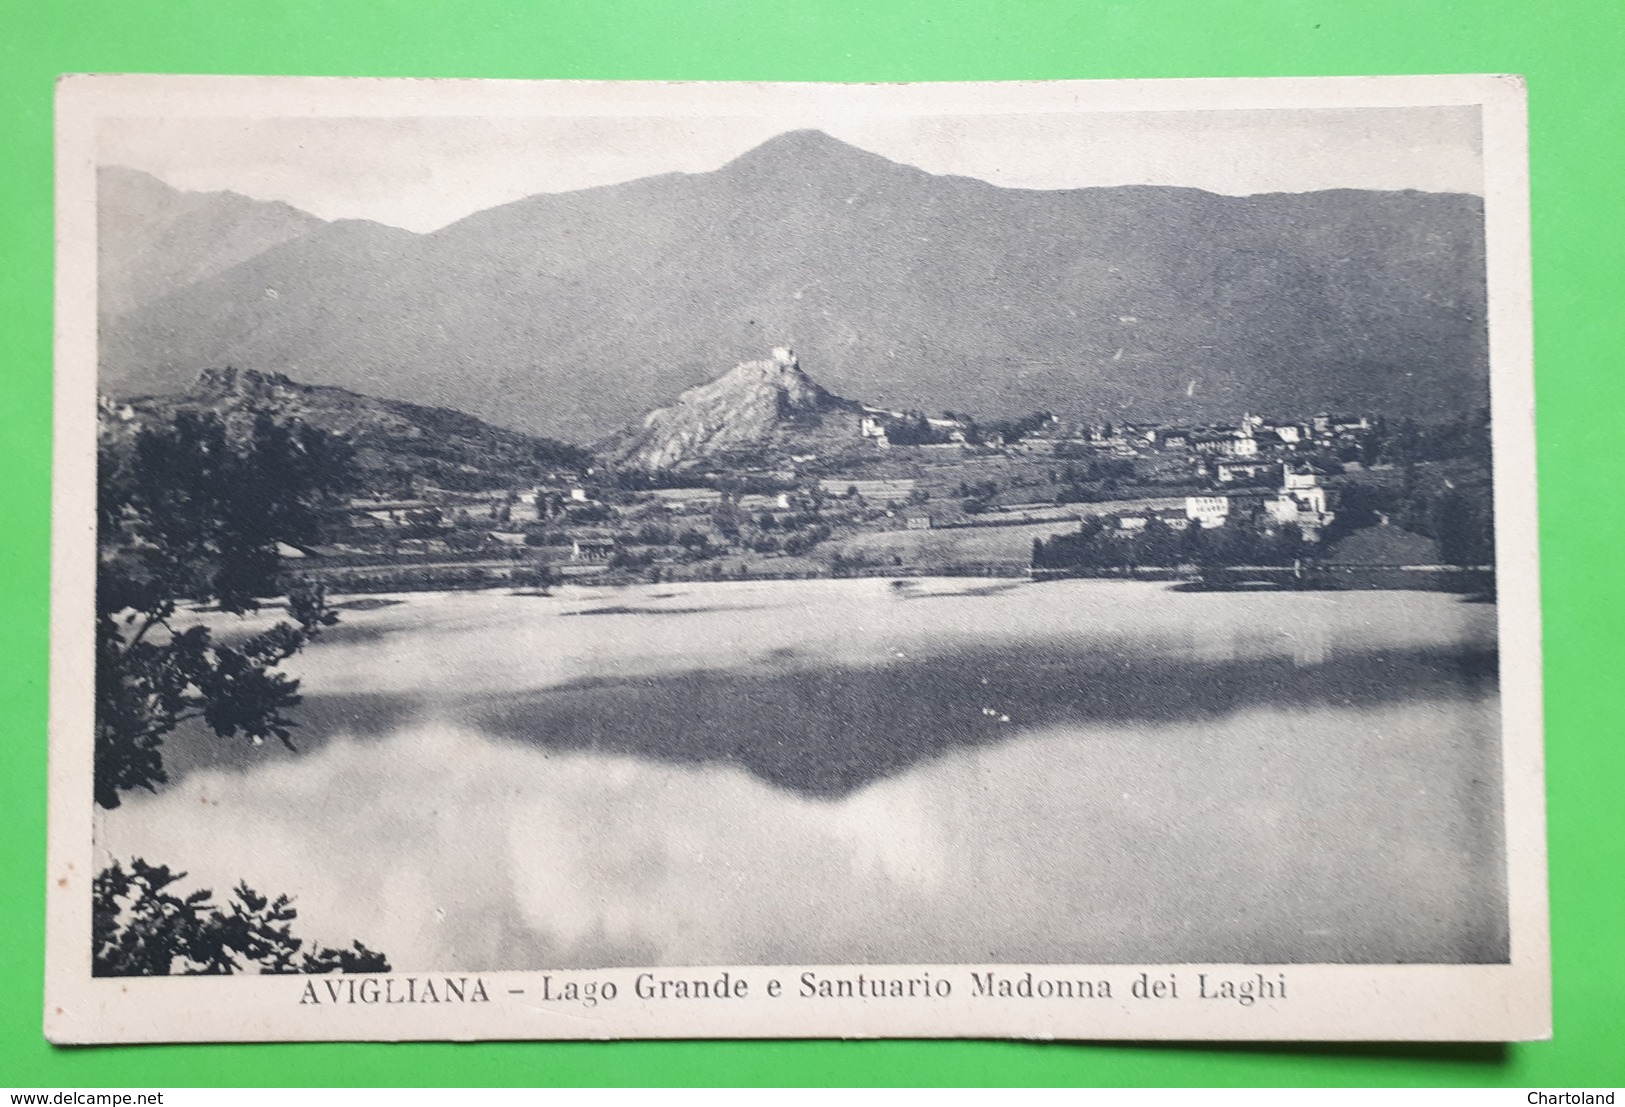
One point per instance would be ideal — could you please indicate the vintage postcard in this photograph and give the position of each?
(598, 560)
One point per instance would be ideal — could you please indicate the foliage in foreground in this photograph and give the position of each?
(195, 510)
(142, 927)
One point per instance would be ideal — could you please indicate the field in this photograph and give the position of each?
(951, 546)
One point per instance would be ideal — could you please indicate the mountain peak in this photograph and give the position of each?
(808, 150)
(807, 140)
(154, 239)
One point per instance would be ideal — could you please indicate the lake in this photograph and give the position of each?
(852, 771)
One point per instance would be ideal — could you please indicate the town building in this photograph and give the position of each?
(594, 549)
(1293, 497)
(1230, 471)
(1207, 511)
(1301, 499)
(1326, 425)
(1225, 444)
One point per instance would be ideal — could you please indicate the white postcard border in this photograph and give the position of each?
(1329, 1002)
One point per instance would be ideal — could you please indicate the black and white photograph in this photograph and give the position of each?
(634, 560)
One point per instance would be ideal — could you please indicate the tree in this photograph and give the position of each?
(1280, 545)
(725, 518)
(1157, 544)
(467, 538)
(423, 523)
(1360, 505)
(1240, 540)
(142, 927)
(1464, 523)
(196, 510)
(1013, 430)
(1091, 546)
(538, 576)
(914, 429)
(1371, 446)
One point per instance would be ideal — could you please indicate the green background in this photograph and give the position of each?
(1572, 52)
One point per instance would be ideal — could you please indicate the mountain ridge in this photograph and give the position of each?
(154, 239)
(396, 442)
(574, 313)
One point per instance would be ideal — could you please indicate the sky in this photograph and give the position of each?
(422, 173)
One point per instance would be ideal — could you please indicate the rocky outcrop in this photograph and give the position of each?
(771, 403)
(396, 443)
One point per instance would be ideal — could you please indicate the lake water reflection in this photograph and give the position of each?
(851, 771)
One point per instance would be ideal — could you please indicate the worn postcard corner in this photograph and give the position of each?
(616, 560)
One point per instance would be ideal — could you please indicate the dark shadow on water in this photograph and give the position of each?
(352, 634)
(366, 603)
(829, 731)
(995, 589)
(621, 609)
(318, 718)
